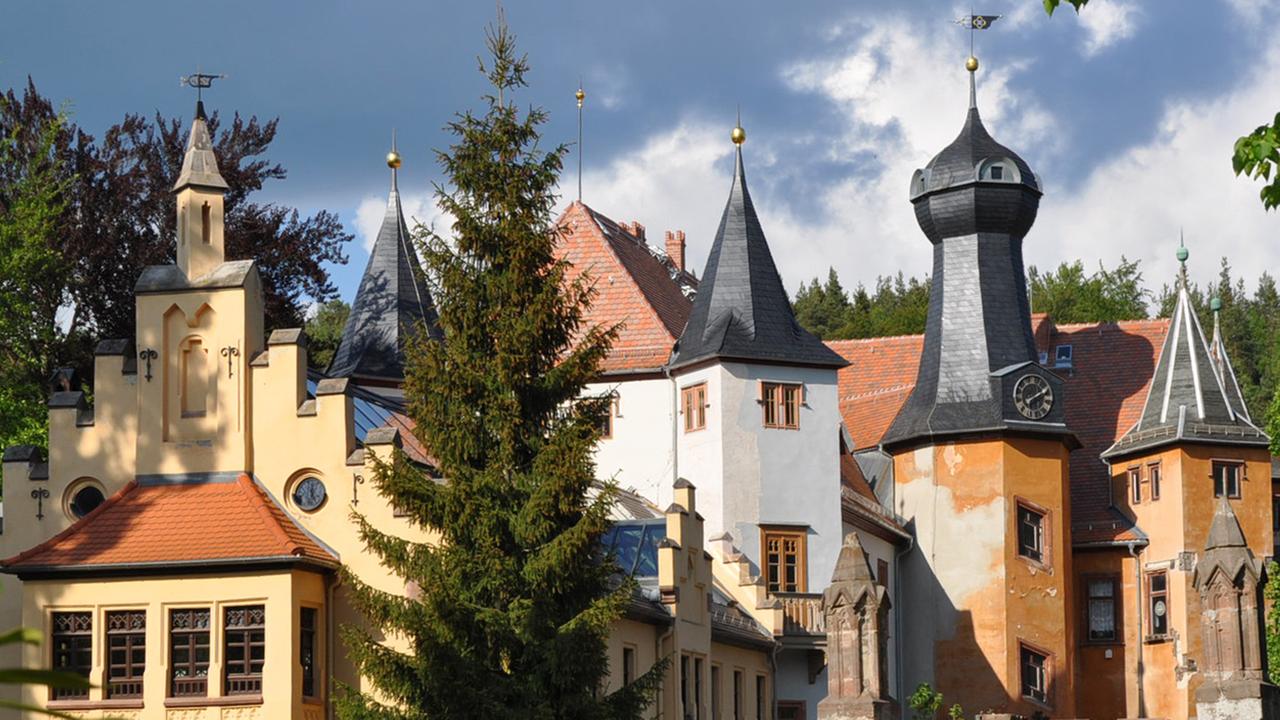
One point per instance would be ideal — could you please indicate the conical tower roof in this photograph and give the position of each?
(1187, 399)
(1222, 365)
(742, 311)
(392, 302)
(199, 166)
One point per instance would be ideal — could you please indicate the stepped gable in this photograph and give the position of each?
(637, 286)
(182, 526)
(1111, 368)
(742, 311)
(392, 302)
(1188, 398)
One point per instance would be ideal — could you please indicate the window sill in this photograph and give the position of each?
(119, 704)
(1036, 564)
(224, 701)
(1102, 643)
(1155, 639)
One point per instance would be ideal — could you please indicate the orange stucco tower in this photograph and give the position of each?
(1193, 448)
(980, 450)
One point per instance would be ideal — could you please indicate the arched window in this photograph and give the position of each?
(204, 223)
(999, 170)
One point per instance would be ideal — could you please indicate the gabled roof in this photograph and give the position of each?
(1187, 399)
(742, 311)
(637, 287)
(175, 527)
(199, 165)
(392, 302)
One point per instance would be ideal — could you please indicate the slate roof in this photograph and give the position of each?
(392, 302)
(637, 287)
(1106, 385)
(176, 526)
(1187, 400)
(199, 166)
(742, 311)
(1226, 374)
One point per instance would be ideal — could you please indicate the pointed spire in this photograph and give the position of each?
(1222, 363)
(742, 310)
(1225, 531)
(199, 165)
(392, 301)
(1188, 399)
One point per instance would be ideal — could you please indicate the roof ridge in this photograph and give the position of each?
(874, 339)
(263, 503)
(75, 526)
(1117, 323)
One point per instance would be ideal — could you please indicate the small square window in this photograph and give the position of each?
(1062, 356)
(781, 403)
(1035, 674)
(997, 172)
(693, 405)
(1031, 529)
(1226, 478)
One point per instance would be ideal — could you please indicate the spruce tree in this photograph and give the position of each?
(516, 604)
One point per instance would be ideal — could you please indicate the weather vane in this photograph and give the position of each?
(976, 22)
(199, 81)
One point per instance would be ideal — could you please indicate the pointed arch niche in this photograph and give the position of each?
(191, 374)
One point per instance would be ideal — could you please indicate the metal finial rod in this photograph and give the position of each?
(199, 81)
(580, 95)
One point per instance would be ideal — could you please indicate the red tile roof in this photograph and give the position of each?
(1112, 365)
(176, 524)
(634, 288)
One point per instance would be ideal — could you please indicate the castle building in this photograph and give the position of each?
(1034, 519)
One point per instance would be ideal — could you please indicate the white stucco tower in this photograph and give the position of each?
(758, 428)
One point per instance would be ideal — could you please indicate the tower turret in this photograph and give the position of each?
(200, 190)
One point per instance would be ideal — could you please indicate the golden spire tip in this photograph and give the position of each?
(971, 64)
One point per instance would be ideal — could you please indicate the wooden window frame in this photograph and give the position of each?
(190, 634)
(776, 408)
(1155, 474)
(131, 637)
(882, 572)
(693, 406)
(1150, 597)
(238, 676)
(784, 532)
(1046, 670)
(1215, 463)
(1117, 608)
(1045, 561)
(78, 657)
(1134, 474)
(307, 644)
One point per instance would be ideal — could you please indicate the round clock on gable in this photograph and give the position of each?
(1032, 396)
(309, 493)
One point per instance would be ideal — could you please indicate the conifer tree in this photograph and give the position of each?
(516, 604)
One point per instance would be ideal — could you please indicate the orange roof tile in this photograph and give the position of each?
(1112, 365)
(176, 524)
(634, 288)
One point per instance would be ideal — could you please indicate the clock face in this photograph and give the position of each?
(309, 493)
(1032, 396)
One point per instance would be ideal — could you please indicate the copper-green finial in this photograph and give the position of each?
(1215, 304)
(1183, 253)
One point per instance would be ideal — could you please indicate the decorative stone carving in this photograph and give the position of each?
(856, 610)
(1228, 578)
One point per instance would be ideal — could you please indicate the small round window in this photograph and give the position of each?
(309, 494)
(85, 500)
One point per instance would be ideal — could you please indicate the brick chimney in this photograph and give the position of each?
(675, 248)
(637, 230)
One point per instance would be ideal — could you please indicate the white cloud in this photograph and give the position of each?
(418, 207)
(1251, 10)
(1107, 22)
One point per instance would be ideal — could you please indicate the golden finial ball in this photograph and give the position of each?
(738, 136)
(971, 64)
(393, 160)
(580, 95)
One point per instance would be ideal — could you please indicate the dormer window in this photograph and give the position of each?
(998, 170)
(1062, 356)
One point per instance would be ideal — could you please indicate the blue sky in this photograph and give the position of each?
(1126, 112)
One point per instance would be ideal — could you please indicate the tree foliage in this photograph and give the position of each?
(116, 216)
(516, 604)
(1271, 593)
(324, 332)
(24, 676)
(1068, 295)
(897, 306)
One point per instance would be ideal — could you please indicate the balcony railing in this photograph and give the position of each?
(802, 613)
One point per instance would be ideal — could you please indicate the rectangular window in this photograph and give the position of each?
(1031, 534)
(72, 650)
(882, 572)
(204, 223)
(784, 560)
(1275, 516)
(1226, 478)
(686, 688)
(1135, 485)
(693, 403)
(1102, 603)
(1158, 604)
(791, 710)
(1153, 480)
(188, 653)
(781, 405)
(244, 649)
(307, 650)
(737, 695)
(1035, 674)
(628, 665)
(697, 688)
(716, 690)
(126, 653)
(761, 698)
